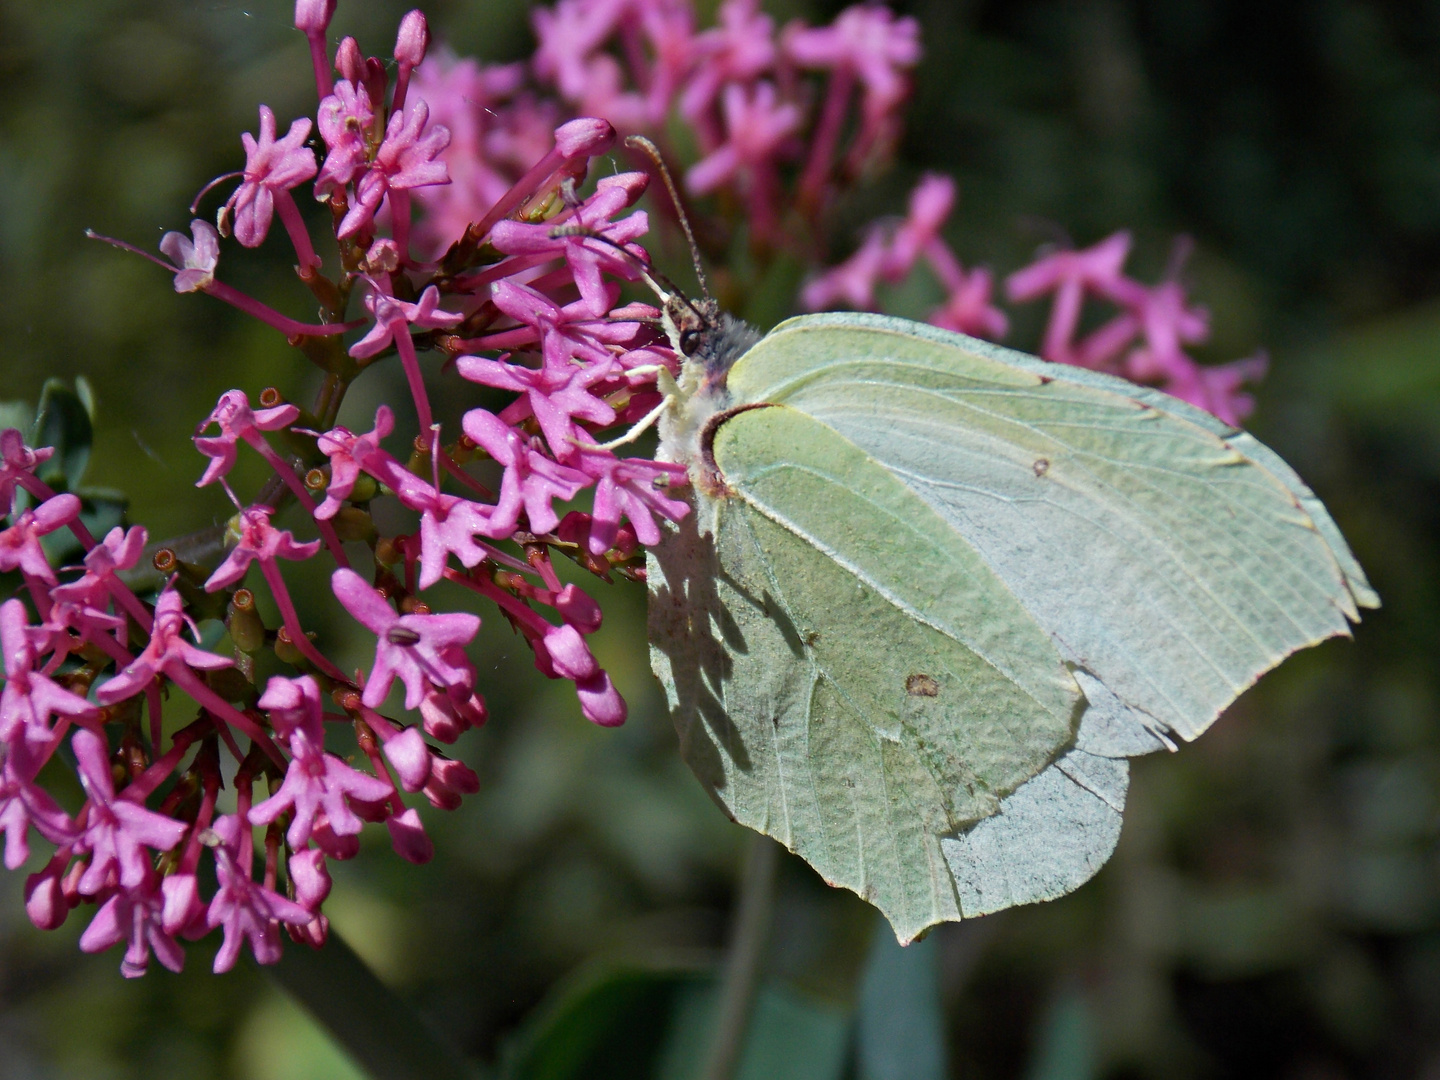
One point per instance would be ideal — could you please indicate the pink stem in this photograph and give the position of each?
(157, 728)
(827, 134)
(276, 582)
(221, 709)
(268, 315)
(299, 235)
(406, 347)
(320, 58)
(302, 493)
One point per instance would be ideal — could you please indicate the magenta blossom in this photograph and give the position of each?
(196, 259)
(166, 653)
(118, 829)
(20, 544)
(135, 916)
(16, 462)
(258, 540)
(531, 480)
(246, 909)
(271, 167)
(344, 117)
(23, 805)
(315, 780)
(408, 158)
(30, 697)
(632, 488)
(420, 650)
(236, 420)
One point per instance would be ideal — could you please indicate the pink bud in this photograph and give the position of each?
(578, 609)
(312, 933)
(449, 780)
(182, 911)
(413, 40)
(348, 846)
(409, 839)
(410, 756)
(586, 137)
(600, 702)
(569, 655)
(45, 898)
(349, 62)
(447, 718)
(310, 877)
(313, 16)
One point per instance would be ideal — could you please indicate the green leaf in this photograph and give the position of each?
(63, 420)
(17, 414)
(900, 1030)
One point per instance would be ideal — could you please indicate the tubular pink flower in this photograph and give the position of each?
(758, 128)
(447, 716)
(632, 488)
(258, 540)
(408, 158)
(117, 830)
(236, 420)
(600, 702)
(166, 653)
(867, 42)
(196, 258)
(411, 43)
(739, 49)
(531, 480)
(344, 118)
(1068, 274)
(311, 878)
(930, 205)
(587, 259)
(448, 781)
(119, 551)
(448, 524)
(23, 805)
(20, 544)
(17, 461)
(30, 697)
(853, 281)
(968, 310)
(351, 454)
(271, 166)
(246, 909)
(315, 780)
(407, 836)
(417, 649)
(135, 915)
(393, 319)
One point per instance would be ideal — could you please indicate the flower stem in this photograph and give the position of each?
(379, 1030)
(748, 939)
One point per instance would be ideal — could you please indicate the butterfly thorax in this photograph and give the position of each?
(709, 342)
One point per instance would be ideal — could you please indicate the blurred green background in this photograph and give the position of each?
(1273, 909)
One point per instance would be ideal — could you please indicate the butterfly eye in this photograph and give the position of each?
(689, 341)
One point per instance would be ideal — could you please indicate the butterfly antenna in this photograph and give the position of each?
(640, 142)
(662, 286)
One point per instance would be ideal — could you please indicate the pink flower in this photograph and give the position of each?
(392, 316)
(165, 653)
(408, 158)
(968, 309)
(20, 544)
(757, 126)
(270, 166)
(16, 460)
(23, 805)
(588, 259)
(196, 259)
(118, 829)
(740, 49)
(531, 480)
(1069, 274)
(632, 488)
(344, 118)
(867, 42)
(236, 420)
(420, 650)
(30, 697)
(246, 909)
(448, 524)
(853, 281)
(258, 540)
(315, 780)
(351, 454)
(135, 915)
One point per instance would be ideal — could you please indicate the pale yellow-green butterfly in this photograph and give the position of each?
(934, 593)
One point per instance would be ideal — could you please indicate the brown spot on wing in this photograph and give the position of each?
(921, 686)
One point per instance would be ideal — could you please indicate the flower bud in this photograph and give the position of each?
(313, 16)
(45, 898)
(408, 837)
(586, 137)
(352, 523)
(413, 39)
(349, 61)
(600, 702)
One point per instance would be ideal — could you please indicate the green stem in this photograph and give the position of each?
(741, 978)
(380, 1032)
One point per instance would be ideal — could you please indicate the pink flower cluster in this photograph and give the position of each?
(767, 132)
(519, 305)
(1144, 341)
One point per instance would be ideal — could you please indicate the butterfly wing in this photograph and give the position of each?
(928, 540)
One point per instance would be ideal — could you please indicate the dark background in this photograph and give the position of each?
(1273, 909)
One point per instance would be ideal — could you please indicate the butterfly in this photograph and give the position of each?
(935, 593)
